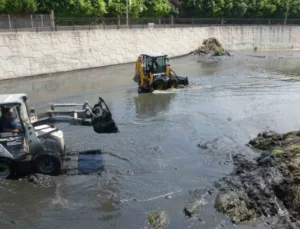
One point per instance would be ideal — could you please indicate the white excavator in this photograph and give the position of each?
(36, 145)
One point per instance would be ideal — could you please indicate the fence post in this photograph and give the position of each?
(52, 21)
(118, 22)
(172, 19)
(9, 22)
(31, 20)
(37, 26)
(42, 20)
(73, 24)
(16, 24)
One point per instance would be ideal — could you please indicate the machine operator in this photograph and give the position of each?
(7, 123)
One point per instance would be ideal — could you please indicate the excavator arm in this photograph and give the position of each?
(98, 116)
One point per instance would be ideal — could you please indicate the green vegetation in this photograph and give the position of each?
(2, 5)
(277, 151)
(157, 219)
(157, 8)
(238, 8)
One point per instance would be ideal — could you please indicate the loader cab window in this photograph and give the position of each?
(146, 60)
(9, 120)
(161, 64)
(155, 64)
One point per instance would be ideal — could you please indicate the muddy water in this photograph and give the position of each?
(155, 161)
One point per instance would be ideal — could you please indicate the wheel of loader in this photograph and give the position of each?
(7, 168)
(48, 164)
(172, 83)
(159, 85)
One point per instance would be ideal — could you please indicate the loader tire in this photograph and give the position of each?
(47, 164)
(172, 83)
(159, 85)
(8, 169)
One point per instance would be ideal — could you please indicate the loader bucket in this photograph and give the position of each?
(103, 122)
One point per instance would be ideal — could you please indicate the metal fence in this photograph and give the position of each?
(38, 23)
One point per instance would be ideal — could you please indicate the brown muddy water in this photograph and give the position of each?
(154, 162)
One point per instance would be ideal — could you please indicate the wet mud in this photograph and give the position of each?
(73, 164)
(266, 187)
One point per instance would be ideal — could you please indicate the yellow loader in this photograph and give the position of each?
(153, 73)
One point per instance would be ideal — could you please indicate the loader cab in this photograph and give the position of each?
(14, 145)
(16, 103)
(155, 64)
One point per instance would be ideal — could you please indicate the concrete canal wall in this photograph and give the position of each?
(27, 53)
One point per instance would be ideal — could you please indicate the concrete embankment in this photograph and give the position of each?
(28, 54)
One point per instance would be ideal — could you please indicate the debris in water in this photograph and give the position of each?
(157, 219)
(202, 145)
(266, 187)
(196, 201)
(192, 209)
(41, 180)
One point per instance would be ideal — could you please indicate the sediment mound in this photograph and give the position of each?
(267, 187)
(212, 46)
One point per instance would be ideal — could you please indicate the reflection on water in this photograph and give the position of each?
(150, 104)
(90, 162)
(52, 86)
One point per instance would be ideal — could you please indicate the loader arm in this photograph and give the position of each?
(98, 116)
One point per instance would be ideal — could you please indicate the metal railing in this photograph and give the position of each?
(39, 23)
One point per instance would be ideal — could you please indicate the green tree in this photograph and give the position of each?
(73, 8)
(136, 8)
(2, 5)
(46, 5)
(192, 8)
(99, 7)
(258, 8)
(117, 7)
(157, 8)
(291, 8)
(21, 6)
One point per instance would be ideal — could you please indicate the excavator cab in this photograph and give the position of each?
(154, 73)
(31, 143)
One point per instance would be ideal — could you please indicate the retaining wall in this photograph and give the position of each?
(26, 54)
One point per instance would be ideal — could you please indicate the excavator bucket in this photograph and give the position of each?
(102, 120)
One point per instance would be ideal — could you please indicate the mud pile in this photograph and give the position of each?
(212, 46)
(266, 188)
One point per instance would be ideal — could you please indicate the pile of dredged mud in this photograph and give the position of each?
(266, 188)
(212, 46)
